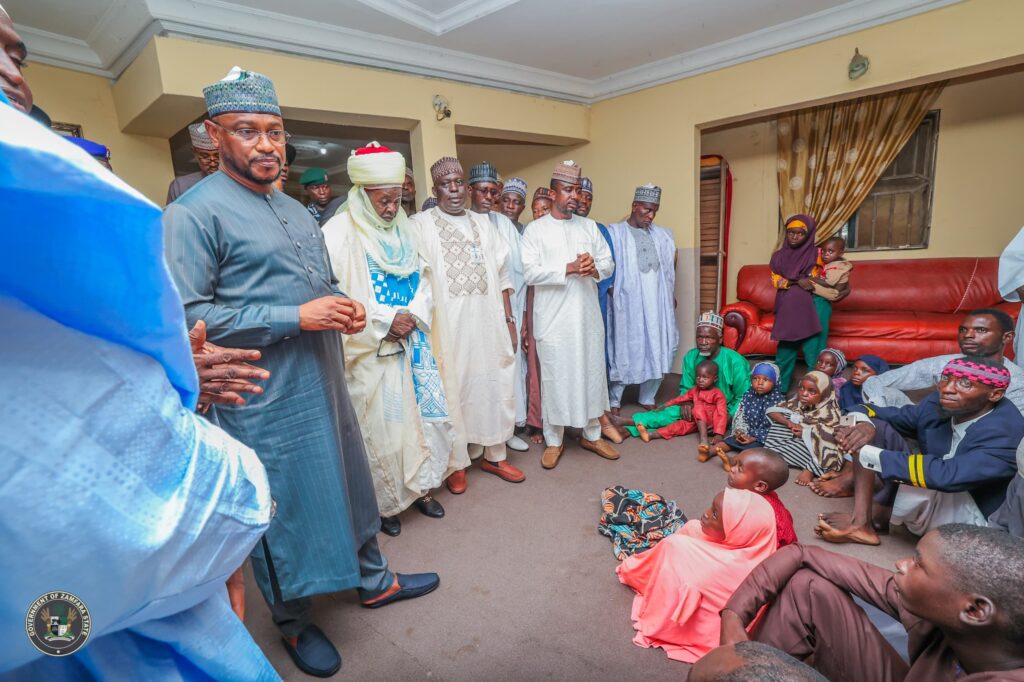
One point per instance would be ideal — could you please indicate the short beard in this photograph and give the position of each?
(704, 353)
(246, 171)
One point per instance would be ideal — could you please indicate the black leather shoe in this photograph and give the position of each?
(410, 586)
(391, 525)
(314, 654)
(428, 506)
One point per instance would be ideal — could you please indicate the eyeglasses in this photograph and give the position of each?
(251, 135)
(960, 382)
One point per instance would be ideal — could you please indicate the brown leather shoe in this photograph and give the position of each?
(503, 470)
(549, 460)
(457, 482)
(608, 429)
(600, 447)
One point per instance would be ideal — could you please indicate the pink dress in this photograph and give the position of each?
(686, 579)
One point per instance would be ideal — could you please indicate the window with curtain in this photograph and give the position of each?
(897, 212)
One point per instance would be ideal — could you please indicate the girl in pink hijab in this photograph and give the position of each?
(686, 579)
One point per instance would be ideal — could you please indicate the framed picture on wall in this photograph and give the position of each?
(72, 129)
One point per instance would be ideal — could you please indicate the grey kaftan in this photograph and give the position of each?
(244, 262)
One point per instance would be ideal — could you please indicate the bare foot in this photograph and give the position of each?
(703, 452)
(646, 408)
(804, 478)
(642, 430)
(861, 535)
(536, 437)
(839, 520)
(615, 411)
(618, 420)
(838, 484)
(722, 452)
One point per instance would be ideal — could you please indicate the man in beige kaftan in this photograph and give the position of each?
(474, 328)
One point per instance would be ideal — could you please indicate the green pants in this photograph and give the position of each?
(655, 419)
(785, 356)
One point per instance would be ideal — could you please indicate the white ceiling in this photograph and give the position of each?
(580, 50)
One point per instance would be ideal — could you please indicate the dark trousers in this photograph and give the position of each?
(292, 616)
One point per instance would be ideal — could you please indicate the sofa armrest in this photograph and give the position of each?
(740, 316)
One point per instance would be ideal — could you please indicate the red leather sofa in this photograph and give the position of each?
(901, 310)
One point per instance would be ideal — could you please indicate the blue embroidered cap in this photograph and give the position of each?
(483, 172)
(515, 186)
(649, 194)
(241, 92)
(586, 185)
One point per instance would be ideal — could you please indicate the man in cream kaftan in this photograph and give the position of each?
(394, 381)
(474, 330)
(486, 194)
(564, 257)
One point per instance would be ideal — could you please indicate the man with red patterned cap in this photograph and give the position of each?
(393, 378)
(474, 324)
(564, 257)
(967, 433)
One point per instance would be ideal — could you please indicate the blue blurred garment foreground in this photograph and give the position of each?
(111, 488)
(84, 248)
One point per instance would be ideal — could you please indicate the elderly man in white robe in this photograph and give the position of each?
(393, 377)
(485, 196)
(642, 333)
(474, 332)
(564, 257)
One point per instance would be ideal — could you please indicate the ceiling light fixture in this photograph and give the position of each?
(323, 150)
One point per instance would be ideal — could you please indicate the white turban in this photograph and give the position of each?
(375, 167)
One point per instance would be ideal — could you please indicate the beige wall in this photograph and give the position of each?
(978, 205)
(162, 91)
(72, 97)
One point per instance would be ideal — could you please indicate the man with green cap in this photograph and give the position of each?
(252, 263)
(314, 180)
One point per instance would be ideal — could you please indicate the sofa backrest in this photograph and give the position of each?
(938, 285)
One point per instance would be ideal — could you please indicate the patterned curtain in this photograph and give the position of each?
(830, 156)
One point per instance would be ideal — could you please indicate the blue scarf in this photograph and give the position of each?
(850, 396)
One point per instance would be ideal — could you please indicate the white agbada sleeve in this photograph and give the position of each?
(602, 255)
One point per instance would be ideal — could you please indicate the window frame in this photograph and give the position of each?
(933, 118)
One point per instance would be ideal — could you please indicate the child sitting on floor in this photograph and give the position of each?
(803, 432)
(832, 362)
(863, 367)
(750, 425)
(763, 472)
(710, 410)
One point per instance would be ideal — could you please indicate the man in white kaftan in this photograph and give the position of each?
(485, 194)
(474, 332)
(392, 374)
(642, 333)
(1011, 284)
(984, 332)
(564, 256)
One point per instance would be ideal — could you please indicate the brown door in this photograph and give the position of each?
(713, 208)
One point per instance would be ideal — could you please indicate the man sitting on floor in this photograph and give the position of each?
(968, 436)
(964, 620)
(733, 377)
(984, 332)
